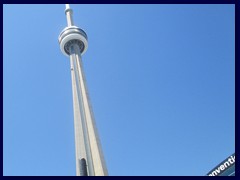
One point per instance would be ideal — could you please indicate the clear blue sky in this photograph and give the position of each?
(161, 82)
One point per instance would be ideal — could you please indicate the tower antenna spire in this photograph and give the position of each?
(67, 6)
(69, 12)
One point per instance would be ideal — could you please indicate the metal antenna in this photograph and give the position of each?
(67, 6)
(68, 12)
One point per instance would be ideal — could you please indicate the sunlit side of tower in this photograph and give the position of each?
(89, 157)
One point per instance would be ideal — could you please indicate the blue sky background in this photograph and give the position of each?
(160, 78)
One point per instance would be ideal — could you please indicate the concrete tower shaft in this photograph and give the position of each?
(89, 157)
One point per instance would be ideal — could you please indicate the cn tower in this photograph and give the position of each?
(89, 157)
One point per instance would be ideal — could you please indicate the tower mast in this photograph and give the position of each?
(89, 157)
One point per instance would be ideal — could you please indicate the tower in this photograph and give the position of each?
(89, 157)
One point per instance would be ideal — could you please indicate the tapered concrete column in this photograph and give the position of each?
(88, 152)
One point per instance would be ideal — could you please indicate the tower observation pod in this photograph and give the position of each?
(89, 157)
